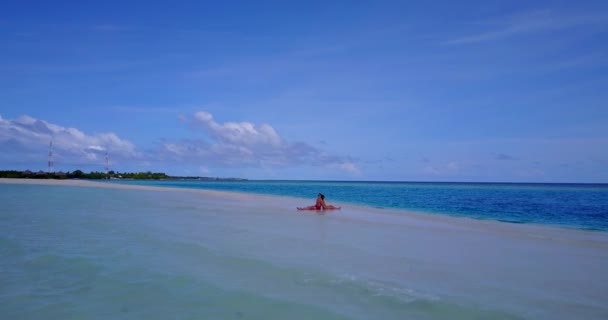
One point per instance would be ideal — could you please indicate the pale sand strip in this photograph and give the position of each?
(418, 220)
(98, 184)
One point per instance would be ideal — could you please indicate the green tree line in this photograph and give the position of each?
(78, 174)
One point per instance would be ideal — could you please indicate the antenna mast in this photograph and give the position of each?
(51, 164)
(107, 164)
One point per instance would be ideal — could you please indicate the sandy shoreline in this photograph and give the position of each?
(408, 218)
(98, 184)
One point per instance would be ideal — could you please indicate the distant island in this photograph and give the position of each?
(78, 174)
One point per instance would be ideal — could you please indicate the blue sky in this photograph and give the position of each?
(434, 91)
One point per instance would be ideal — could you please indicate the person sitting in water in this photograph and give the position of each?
(320, 204)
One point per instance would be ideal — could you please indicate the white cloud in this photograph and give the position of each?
(452, 166)
(350, 167)
(97, 148)
(242, 133)
(530, 22)
(247, 144)
(27, 137)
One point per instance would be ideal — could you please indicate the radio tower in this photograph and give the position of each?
(107, 164)
(50, 170)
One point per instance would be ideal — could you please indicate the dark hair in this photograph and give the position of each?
(322, 196)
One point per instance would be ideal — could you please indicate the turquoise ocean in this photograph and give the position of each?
(119, 252)
(569, 205)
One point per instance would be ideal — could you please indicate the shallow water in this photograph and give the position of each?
(582, 206)
(74, 252)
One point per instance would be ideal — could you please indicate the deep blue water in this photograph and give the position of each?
(582, 206)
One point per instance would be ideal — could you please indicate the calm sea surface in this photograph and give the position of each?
(70, 252)
(582, 206)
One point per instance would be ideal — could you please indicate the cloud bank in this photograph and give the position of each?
(247, 144)
(27, 138)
